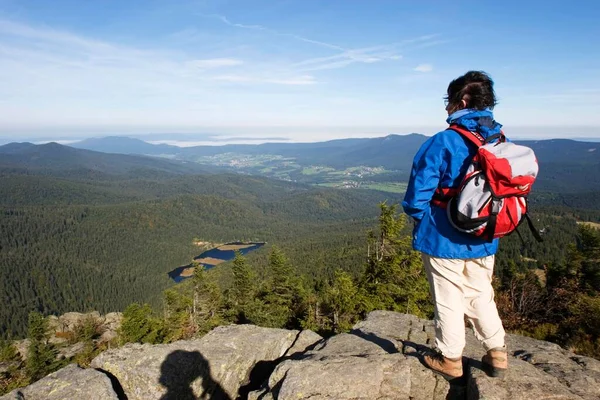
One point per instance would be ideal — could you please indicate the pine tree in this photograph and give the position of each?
(207, 304)
(394, 278)
(282, 276)
(280, 302)
(177, 309)
(590, 249)
(140, 326)
(40, 354)
(314, 318)
(8, 351)
(346, 301)
(282, 289)
(244, 287)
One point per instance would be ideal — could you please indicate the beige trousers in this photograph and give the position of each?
(459, 288)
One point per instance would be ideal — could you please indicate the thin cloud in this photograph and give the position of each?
(367, 55)
(423, 68)
(348, 56)
(293, 81)
(300, 80)
(215, 63)
(225, 20)
(48, 35)
(233, 78)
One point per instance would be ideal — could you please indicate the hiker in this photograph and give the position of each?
(459, 266)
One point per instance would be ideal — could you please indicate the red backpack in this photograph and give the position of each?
(491, 201)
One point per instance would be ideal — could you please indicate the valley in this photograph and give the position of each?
(567, 167)
(288, 169)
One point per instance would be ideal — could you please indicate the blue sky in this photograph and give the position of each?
(301, 69)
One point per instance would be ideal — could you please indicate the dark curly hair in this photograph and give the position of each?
(475, 87)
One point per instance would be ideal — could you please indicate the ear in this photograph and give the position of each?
(463, 104)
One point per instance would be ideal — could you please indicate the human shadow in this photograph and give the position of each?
(180, 369)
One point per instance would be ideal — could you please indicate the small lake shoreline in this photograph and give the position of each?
(213, 257)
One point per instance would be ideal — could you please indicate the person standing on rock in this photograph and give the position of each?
(459, 266)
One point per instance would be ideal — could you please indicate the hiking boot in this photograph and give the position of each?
(495, 362)
(449, 368)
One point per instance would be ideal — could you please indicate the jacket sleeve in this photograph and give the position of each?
(428, 166)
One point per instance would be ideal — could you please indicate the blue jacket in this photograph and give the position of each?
(442, 161)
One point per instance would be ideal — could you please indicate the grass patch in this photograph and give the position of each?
(590, 224)
(391, 187)
(310, 171)
(329, 184)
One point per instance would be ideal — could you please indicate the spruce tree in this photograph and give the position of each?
(282, 276)
(589, 243)
(314, 318)
(244, 287)
(140, 326)
(208, 302)
(394, 278)
(41, 356)
(8, 351)
(177, 309)
(279, 302)
(345, 301)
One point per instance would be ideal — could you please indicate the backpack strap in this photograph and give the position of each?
(442, 196)
(490, 228)
(534, 231)
(476, 137)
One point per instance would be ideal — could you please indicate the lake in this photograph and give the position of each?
(213, 257)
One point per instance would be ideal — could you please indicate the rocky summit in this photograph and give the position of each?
(379, 359)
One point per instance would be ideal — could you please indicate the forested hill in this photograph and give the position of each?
(84, 231)
(56, 159)
(124, 145)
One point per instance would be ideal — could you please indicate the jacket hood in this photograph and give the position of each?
(481, 121)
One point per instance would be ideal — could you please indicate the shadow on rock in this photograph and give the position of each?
(180, 369)
(385, 344)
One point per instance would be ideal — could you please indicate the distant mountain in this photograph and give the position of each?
(564, 150)
(124, 145)
(56, 159)
(566, 165)
(338, 153)
(390, 151)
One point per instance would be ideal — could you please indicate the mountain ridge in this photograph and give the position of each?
(123, 145)
(409, 142)
(53, 156)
